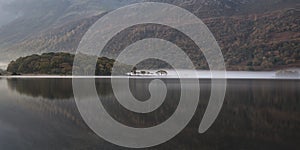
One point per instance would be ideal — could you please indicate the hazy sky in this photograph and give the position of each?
(5, 15)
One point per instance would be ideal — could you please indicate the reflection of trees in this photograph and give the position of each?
(46, 88)
(259, 111)
(254, 110)
(53, 88)
(104, 87)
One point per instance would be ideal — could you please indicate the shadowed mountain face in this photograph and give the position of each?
(251, 33)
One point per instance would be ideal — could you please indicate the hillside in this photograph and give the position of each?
(251, 38)
(218, 8)
(39, 16)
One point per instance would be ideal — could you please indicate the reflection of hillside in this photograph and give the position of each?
(46, 88)
(257, 114)
(263, 111)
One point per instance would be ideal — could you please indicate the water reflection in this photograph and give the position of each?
(46, 88)
(257, 114)
(140, 90)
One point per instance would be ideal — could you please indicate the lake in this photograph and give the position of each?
(41, 113)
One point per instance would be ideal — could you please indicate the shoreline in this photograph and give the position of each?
(124, 77)
(187, 74)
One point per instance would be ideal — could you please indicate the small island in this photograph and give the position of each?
(62, 64)
(135, 72)
(59, 64)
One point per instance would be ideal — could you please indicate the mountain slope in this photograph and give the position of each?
(217, 8)
(251, 38)
(41, 15)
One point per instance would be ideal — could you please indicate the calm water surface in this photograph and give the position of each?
(257, 114)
